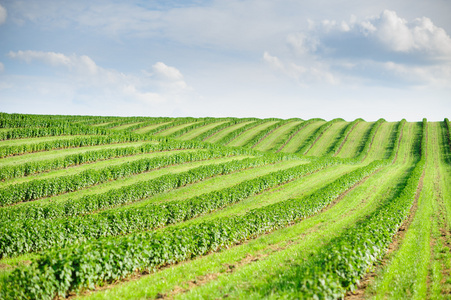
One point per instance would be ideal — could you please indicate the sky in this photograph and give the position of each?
(232, 58)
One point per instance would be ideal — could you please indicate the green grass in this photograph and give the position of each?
(355, 140)
(271, 140)
(90, 166)
(58, 153)
(301, 137)
(219, 135)
(244, 137)
(327, 140)
(173, 129)
(148, 128)
(198, 131)
(15, 142)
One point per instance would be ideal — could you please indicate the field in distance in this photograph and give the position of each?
(207, 208)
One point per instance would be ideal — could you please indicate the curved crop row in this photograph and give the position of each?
(398, 136)
(127, 194)
(76, 141)
(218, 128)
(311, 140)
(67, 129)
(108, 259)
(148, 123)
(448, 129)
(262, 134)
(28, 168)
(289, 135)
(369, 141)
(344, 136)
(176, 122)
(339, 266)
(36, 189)
(27, 120)
(48, 233)
(234, 134)
(184, 130)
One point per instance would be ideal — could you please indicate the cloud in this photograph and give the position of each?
(316, 73)
(2, 67)
(385, 49)
(86, 77)
(3, 14)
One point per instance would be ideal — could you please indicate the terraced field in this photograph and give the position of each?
(205, 208)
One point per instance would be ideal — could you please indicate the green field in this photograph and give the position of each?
(205, 208)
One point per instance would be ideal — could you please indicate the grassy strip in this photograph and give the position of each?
(264, 133)
(294, 131)
(76, 141)
(369, 140)
(312, 139)
(36, 189)
(234, 134)
(30, 168)
(186, 129)
(176, 122)
(128, 193)
(209, 133)
(339, 266)
(399, 129)
(90, 264)
(65, 232)
(339, 144)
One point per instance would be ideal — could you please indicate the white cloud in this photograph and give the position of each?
(315, 73)
(3, 14)
(86, 76)
(2, 67)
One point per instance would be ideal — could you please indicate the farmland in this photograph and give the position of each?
(206, 208)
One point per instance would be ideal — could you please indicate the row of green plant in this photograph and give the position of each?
(75, 141)
(176, 122)
(308, 143)
(27, 120)
(39, 188)
(66, 129)
(128, 120)
(93, 263)
(282, 141)
(33, 167)
(48, 233)
(153, 121)
(339, 266)
(186, 129)
(234, 134)
(265, 132)
(399, 130)
(233, 121)
(130, 193)
(369, 140)
(343, 137)
(448, 129)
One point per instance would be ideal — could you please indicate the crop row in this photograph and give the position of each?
(29, 168)
(108, 259)
(339, 266)
(128, 194)
(344, 136)
(39, 188)
(234, 134)
(49, 233)
(293, 131)
(26, 120)
(66, 129)
(178, 121)
(75, 141)
(233, 121)
(311, 140)
(186, 129)
(399, 130)
(262, 134)
(369, 140)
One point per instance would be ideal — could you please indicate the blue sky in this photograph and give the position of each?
(259, 58)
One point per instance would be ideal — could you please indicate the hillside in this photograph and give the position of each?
(206, 208)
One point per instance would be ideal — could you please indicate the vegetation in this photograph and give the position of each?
(309, 226)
